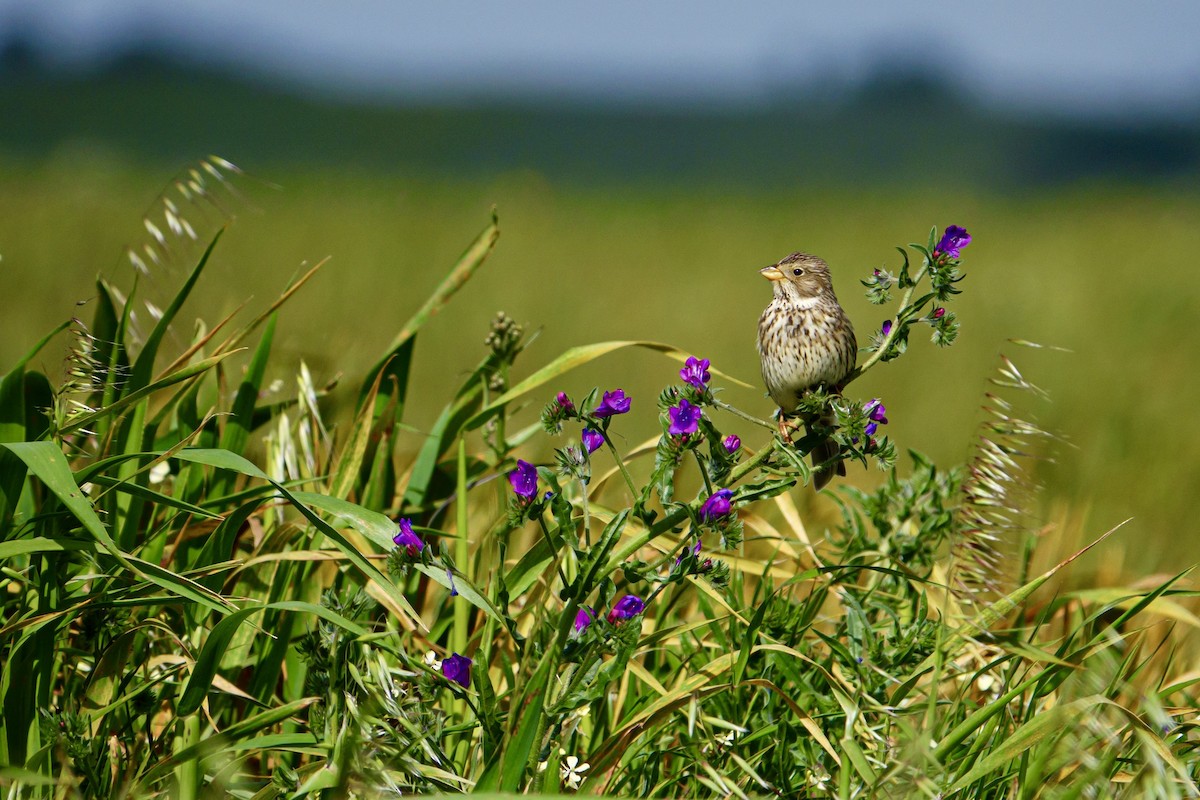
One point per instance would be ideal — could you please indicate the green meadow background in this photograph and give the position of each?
(652, 225)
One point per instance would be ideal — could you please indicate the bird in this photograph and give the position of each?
(805, 341)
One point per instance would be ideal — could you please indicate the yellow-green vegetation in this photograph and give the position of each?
(1103, 271)
(488, 578)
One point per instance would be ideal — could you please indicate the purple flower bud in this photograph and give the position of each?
(732, 443)
(886, 328)
(583, 618)
(685, 418)
(407, 539)
(453, 585)
(564, 402)
(938, 313)
(614, 402)
(458, 669)
(524, 479)
(592, 439)
(695, 372)
(716, 506)
(878, 273)
(953, 241)
(627, 607)
(871, 428)
(875, 411)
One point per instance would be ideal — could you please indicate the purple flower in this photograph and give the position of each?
(886, 328)
(685, 418)
(564, 402)
(458, 669)
(876, 411)
(732, 443)
(583, 618)
(716, 506)
(524, 479)
(695, 372)
(592, 439)
(407, 539)
(871, 428)
(953, 241)
(614, 402)
(627, 607)
(938, 313)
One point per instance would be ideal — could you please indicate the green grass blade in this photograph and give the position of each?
(226, 460)
(241, 418)
(572, 358)
(396, 361)
(217, 642)
(143, 366)
(47, 462)
(190, 371)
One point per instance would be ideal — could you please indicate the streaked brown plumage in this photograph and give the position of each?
(805, 340)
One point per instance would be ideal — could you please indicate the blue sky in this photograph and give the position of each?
(1071, 55)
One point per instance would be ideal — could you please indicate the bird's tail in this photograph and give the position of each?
(823, 453)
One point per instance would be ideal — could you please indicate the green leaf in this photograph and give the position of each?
(215, 744)
(241, 418)
(377, 527)
(209, 660)
(182, 374)
(575, 357)
(466, 590)
(226, 460)
(143, 367)
(47, 462)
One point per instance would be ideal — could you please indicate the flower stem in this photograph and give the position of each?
(680, 513)
(620, 463)
(887, 340)
(703, 471)
(737, 412)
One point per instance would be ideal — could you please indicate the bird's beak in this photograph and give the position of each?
(772, 273)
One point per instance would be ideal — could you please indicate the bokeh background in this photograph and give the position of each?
(645, 159)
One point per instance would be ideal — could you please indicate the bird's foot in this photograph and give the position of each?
(787, 426)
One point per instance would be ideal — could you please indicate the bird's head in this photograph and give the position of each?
(799, 277)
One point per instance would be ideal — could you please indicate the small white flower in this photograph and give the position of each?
(572, 771)
(725, 739)
(986, 683)
(159, 472)
(432, 661)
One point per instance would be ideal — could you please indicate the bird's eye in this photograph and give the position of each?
(797, 272)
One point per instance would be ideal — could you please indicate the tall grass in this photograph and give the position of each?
(204, 597)
(1091, 268)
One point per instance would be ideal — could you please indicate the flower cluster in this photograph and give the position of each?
(457, 668)
(879, 286)
(524, 481)
(628, 607)
(558, 411)
(877, 414)
(685, 418)
(592, 439)
(407, 540)
(951, 244)
(695, 373)
(613, 403)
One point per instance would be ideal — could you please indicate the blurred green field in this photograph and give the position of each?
(1104, 271)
